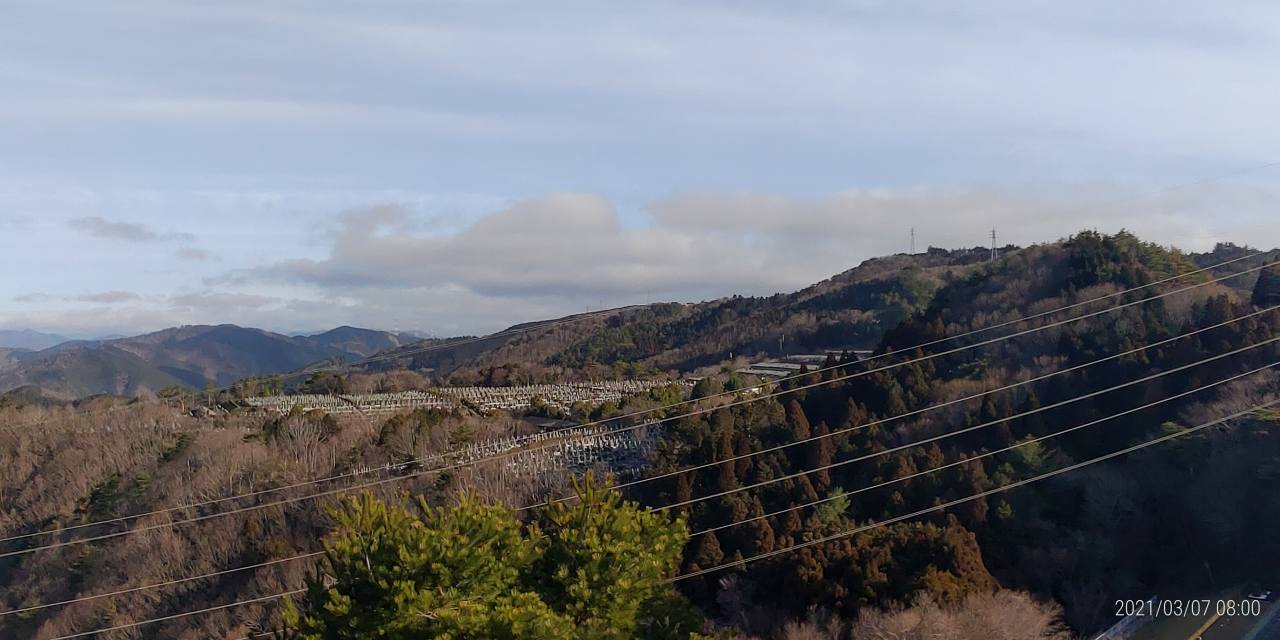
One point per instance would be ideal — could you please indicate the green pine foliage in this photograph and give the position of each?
(594, 569)
(1152, 521)
(980, 544)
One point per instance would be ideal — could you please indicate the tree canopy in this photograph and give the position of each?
(594, 569)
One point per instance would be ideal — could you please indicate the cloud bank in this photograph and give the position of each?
(100, 227)
(503, 166)
(394, 266)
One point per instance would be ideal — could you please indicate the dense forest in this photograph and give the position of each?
(1151, 522)
(850, 310)
(1042, 561)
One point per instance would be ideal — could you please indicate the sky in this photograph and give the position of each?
(457, 167)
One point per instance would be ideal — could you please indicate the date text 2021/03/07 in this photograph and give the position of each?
(1175, 608)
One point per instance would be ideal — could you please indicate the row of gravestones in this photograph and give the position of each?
(561, 396)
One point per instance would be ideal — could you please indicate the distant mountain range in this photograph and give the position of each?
(191, 356)
(852, 310)
(28, 339)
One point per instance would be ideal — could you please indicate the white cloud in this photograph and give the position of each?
(798, 140)
(32, 297)
(567, 251)
(393, 266)
(108, 297)
(192, 254)
(207, 302)
(100, 227)
(564, 245)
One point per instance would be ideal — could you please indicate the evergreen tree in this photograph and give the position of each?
(797, 422)
(1034, 424)
(821, 453)
(684, 487)
(708, 553)
(1266, 292)
(596, 569)
(722, 426)
(604, 560)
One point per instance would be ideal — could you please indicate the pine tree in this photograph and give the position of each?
(722, 434)
(821, 453)
(797, 422)
(603, 559)
(789, 529)
(684, 487)
(1266, 292)
(743, 450)
(708, 552)
(1033, 424)
(997, 435)
(970, 479)
(894, 403)
(596, 569)
(762, 536)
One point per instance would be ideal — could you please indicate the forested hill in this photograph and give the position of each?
(851, 310)
(1147, 523)
(191, 356)
(856, 308)
(1186, 517)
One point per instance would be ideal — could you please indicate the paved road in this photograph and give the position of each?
(1263, 627)
(1269, 628)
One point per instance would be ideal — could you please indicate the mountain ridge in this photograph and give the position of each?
(193, 356)
(29, 339)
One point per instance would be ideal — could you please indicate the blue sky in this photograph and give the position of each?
(457, 167)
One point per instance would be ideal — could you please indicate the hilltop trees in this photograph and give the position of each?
(598, 569)
(975, 546)
(595, 569)
(1266, 292)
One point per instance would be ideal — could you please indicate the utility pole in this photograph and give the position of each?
(913, 241)
(993, 244)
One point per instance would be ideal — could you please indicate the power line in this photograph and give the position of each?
(950, 434)
(835, 433)
(996, 326)
(634, 414)
(159, 585)
(548, 445)
(400, 354)
(934, 407)
(134, 625)
(966, 334)
(1200, 181)
(379, 357)
(977, 496)
(744, 561)
(776, 552)
(988, 454)
(1024, 443)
